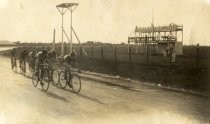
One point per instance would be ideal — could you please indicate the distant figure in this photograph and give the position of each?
(165, 55)
(13, 53)
(23, 57)
(158, 37)
(31, 59)
(13, 56)
(173, 56)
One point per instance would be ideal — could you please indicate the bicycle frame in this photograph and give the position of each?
(42, 69)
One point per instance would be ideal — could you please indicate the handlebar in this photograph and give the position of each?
(73, 69)
(45, 65)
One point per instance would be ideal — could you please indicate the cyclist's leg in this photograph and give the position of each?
(33, 64)
(37, 66)
(42, 74)
(51, 72)
(66, 70)
(12, 62)
(50, 69)
(20, 61)
(15, 61)
(24, 65)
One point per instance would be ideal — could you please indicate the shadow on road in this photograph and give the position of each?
(51, 94)
(27, 76)
(86, 97)
(93, 99)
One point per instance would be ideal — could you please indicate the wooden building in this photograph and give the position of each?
(160, 38)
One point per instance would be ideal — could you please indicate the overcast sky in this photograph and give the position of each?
(102, 20)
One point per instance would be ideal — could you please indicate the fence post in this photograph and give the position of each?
(59, 49)
(65, 48)
(102, 53)
(198, 56)
(146, 48)
(130, 56)
(115, 54)
(81, 51)
(92, 51)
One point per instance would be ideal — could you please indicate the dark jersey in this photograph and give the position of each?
(23, 54)
(51, 55)
(40, 57)
(13, 53)
(32, 54)
(69, 60)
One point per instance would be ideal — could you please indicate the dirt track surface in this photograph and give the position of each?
(22, 103)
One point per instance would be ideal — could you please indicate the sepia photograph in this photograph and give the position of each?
(105, 61)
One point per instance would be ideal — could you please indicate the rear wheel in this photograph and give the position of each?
(76, 83)
(55, 76)
(34, 79)
(45, 80)
(63, 80)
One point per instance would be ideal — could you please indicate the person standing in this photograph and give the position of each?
(13, 57)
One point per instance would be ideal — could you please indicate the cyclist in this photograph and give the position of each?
(23, 57)
(13, 56)
(31, 59)
(40, 59)
(51, 57)
(51, 60)
(70, 61)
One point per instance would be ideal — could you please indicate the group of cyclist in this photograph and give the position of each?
(35, 60)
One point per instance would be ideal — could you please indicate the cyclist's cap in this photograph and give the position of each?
(44, 51)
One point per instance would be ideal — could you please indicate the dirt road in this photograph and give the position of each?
(22, 103)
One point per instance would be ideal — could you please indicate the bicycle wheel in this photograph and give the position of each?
(55, 76)
(62, 80)
(76, 83)
(45, 80)
(34, 79)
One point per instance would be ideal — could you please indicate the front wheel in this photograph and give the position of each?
(55, 76)
(34, 79)
(76, 83)
(45, 80)
(63, 79)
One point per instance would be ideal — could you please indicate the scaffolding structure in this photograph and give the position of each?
(63, 8)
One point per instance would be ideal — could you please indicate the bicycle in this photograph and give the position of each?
(43, 77)
(23, 67)
(31, 65)
(14, 64)
(71, 78)
(54, 75)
